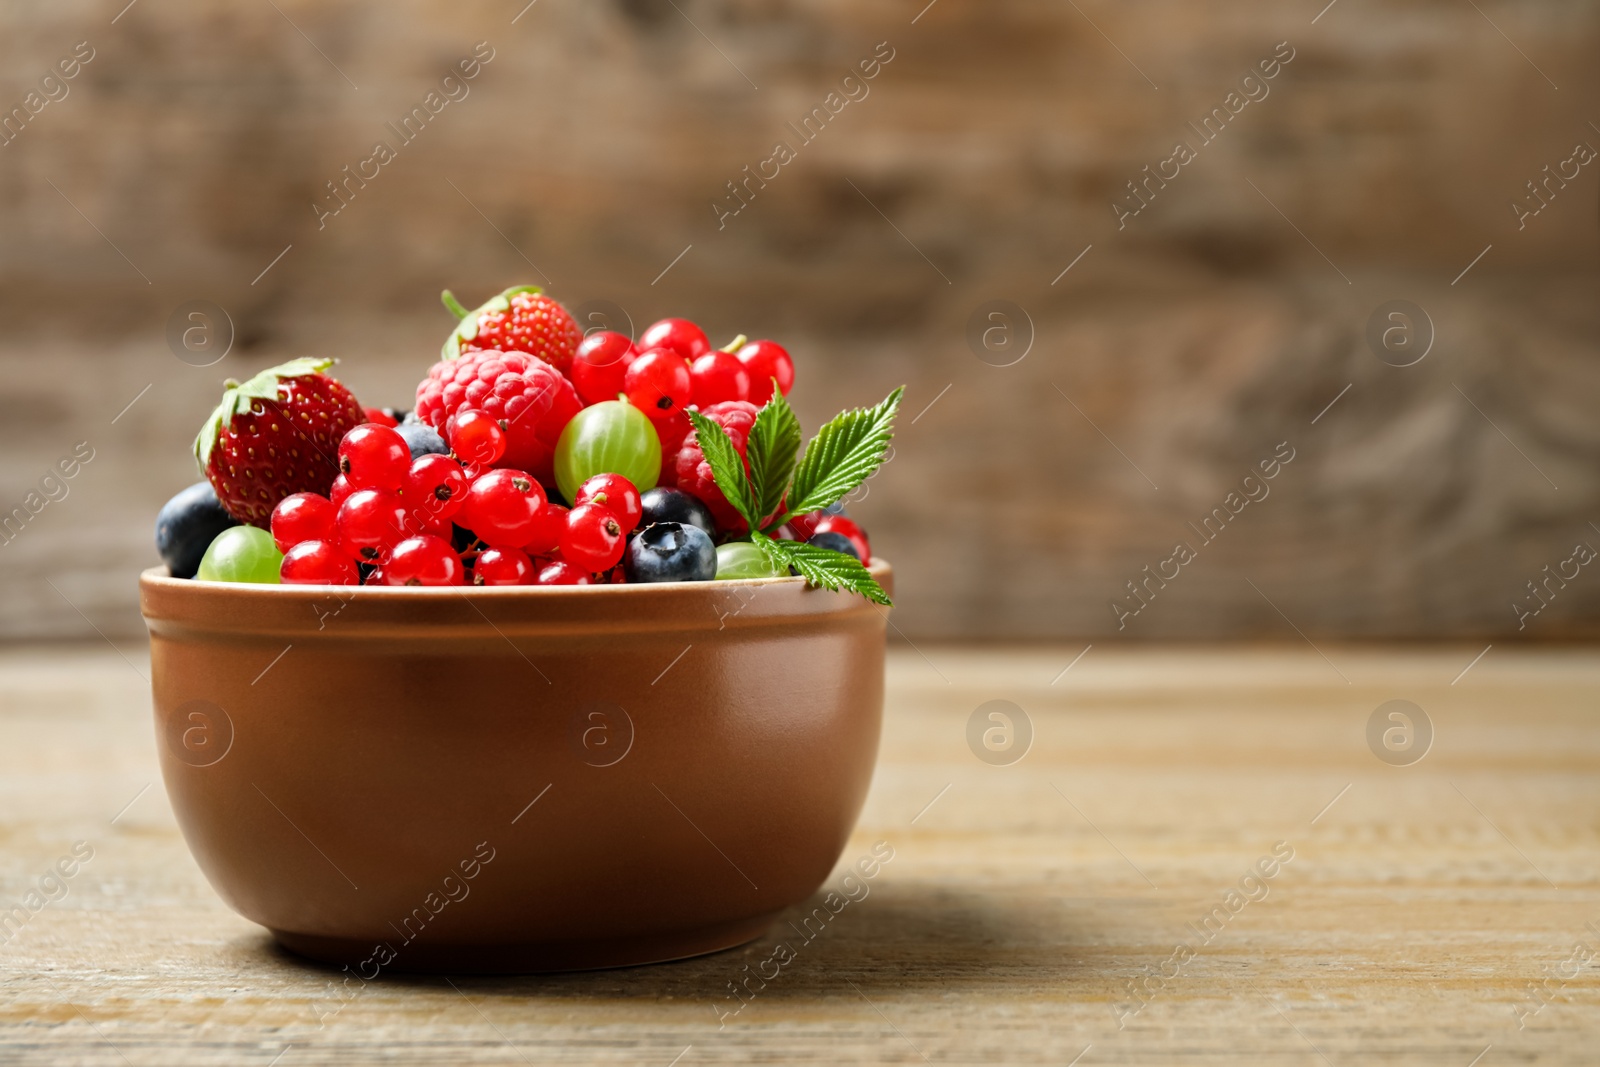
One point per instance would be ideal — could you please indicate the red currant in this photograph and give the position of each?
(670, 431)
(547, 527)
(561, 573)
(614, 493)
(423, 561)
(719, 376)
(502, 566)
(766, 360)
(304, 517)
(418, 523)
(342, 488)
(803, 526)
(658, 382)
(371, 522)
(594, 539)
(501, 506)
(600, 365)
(318, 562)
(475, 436)
(680, 335)
(436, 486)
(380, 417)
(848, 529)
(374, 457)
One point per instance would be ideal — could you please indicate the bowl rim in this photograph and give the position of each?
(161, 578)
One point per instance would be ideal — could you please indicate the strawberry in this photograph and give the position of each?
(276, 435)
(521, 319)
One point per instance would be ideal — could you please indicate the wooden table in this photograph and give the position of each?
(1022, 901)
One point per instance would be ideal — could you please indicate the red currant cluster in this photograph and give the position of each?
(674, 367)
(450, 519)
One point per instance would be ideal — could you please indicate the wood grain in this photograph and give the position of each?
(1021, 900)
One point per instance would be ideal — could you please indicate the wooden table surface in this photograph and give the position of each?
(1445, 912)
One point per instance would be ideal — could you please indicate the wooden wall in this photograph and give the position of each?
(1191, 341)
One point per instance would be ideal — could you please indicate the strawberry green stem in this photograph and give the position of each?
(453, 304)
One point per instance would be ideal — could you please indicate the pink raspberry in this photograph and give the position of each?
(694, 473)
(531, 400)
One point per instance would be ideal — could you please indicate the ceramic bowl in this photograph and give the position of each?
(514, 779)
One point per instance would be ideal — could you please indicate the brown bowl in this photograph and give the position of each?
(514, 779)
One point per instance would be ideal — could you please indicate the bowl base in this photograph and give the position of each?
(530, 958)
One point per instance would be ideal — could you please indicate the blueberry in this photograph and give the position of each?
(670, 552)
(422, 439)
(674, 505)
(837, 542)
(187, 525)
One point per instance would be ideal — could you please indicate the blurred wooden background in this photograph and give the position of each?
(183, 160)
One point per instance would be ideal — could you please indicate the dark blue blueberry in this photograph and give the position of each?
(837, 542)
(674, 505)
(187, 525)
(422, 440)
(670, 552)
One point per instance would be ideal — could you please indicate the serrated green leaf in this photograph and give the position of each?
(845, 453)
(727, 469)
(823, 567)
(237, 397)
(467, 328)
(773, 449)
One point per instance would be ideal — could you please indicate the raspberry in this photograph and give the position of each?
(532, 403)
(694, 473)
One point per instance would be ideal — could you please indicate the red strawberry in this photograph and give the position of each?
(736, 417)
(276, 435)
(521, 319)
(532, 403)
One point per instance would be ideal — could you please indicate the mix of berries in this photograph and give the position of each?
(534, 455)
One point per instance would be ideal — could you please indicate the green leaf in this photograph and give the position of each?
(467, 328)
(237, 397)
(773, 449)
(823, 567)
(727, 469)
(845, 453)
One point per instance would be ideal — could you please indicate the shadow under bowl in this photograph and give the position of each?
(514, 779)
